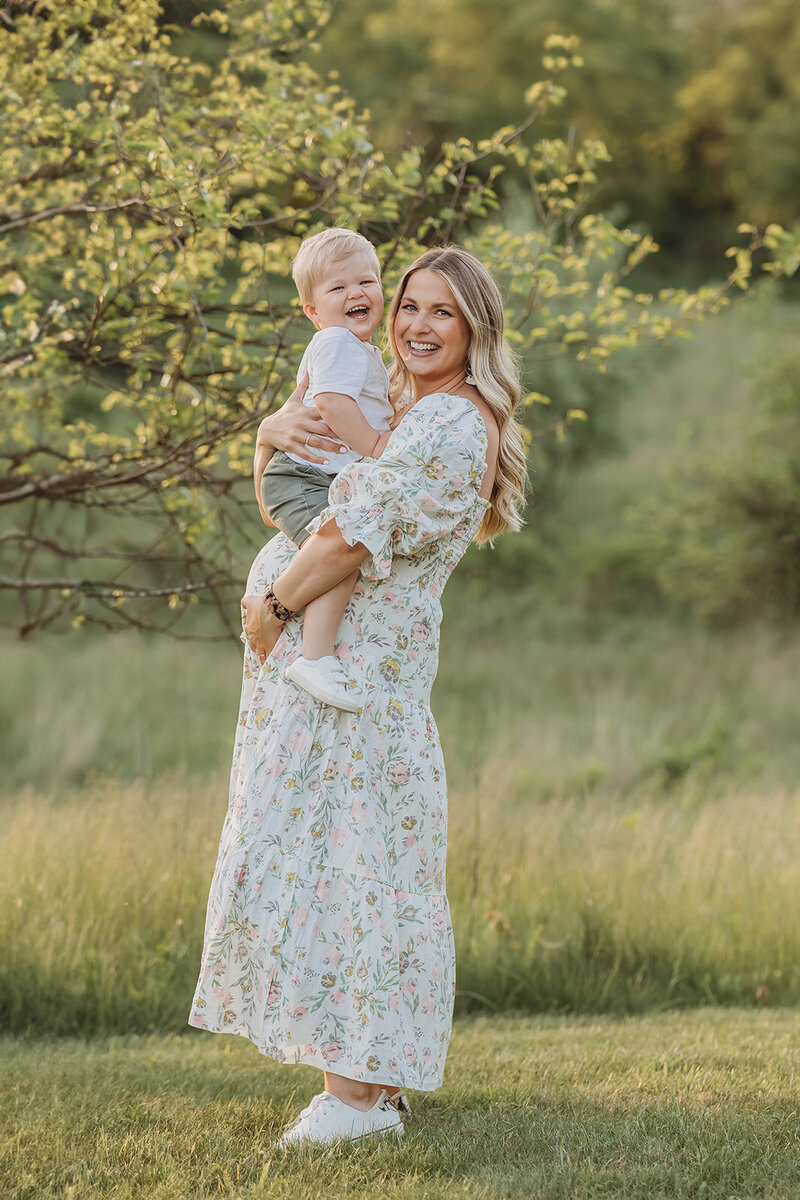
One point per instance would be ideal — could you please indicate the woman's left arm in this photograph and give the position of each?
(323, 560)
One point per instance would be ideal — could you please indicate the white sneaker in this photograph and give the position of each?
(328, 1119)
(326, 680)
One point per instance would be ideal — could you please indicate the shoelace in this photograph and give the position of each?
(311, 1107)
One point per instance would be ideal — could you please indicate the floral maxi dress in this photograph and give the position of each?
(328, 937)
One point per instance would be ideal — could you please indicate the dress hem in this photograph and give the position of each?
(308, 1060)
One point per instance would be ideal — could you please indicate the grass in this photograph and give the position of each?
(668, 1105)
(624, 828)
(562, 698)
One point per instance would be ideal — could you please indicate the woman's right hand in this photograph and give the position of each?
(299, 429)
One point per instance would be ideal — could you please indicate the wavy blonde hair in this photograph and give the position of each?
(490, 363)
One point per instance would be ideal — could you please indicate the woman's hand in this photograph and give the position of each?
(299, 429)
(261, 628)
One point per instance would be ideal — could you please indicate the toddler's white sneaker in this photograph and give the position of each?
(328, 1119)
(326, 680)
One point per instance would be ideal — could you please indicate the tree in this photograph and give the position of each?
(461, 66)
(695, 99)
(152, 208)
(737, 137)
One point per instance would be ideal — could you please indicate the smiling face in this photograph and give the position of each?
(431, 334)
(348, 296)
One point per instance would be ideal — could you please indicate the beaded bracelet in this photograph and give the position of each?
(278, 610)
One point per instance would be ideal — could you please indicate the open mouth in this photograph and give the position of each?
(359, 313)
(422, 347)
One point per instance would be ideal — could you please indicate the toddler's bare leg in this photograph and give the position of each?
(322, 616)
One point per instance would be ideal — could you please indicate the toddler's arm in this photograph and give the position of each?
(349, 423)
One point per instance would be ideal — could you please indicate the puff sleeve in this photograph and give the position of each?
(424, 484)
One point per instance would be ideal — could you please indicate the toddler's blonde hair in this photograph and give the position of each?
(319, 252)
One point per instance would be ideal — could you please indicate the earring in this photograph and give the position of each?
(469, 376)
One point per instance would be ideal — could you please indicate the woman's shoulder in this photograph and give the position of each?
(468, 434)
(485, 410)
(466, 407)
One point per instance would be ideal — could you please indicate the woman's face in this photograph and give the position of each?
(430, 332)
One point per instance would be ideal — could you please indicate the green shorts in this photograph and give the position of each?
(293, 494)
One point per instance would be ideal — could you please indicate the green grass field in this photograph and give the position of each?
(682, 1106)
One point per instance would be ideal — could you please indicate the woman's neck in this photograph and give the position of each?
(430, 387)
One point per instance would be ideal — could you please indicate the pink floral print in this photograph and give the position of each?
(328, 937)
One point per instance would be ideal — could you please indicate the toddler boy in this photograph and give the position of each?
(337, 275)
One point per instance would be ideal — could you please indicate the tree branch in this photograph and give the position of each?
(77, 210)
(98, 590)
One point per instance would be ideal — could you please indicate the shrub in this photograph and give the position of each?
(723, 537)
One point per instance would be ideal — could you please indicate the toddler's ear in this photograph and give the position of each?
(311, 313)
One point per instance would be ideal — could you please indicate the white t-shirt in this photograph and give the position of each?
(338, 361)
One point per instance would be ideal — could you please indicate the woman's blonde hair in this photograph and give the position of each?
(492, 366)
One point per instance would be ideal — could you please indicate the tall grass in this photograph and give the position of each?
(596, 905)
(571, 903)
(569, 699)
(624, 828)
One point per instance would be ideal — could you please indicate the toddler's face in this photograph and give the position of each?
(349, 296)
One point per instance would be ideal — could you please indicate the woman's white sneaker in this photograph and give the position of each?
(326, 680)
(328, 1119)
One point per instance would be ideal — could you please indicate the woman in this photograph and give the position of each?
(328, 933)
